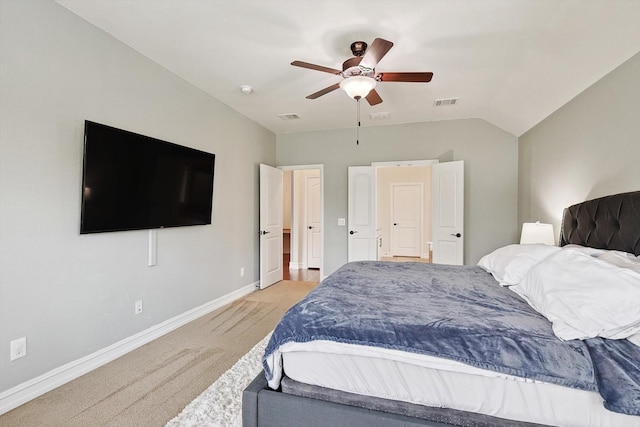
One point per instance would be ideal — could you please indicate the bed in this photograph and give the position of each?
(504, 343)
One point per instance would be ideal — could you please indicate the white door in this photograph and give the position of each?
(362, 223)
(271, 201)
(448, 212)
(406, 219)
(314, 240)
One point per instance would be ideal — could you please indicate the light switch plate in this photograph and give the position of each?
(18, 348)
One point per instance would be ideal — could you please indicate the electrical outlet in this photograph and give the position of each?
(138, 307)
(241, 271)
(18, 348)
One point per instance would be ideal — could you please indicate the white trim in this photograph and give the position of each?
(29, 390)
(405, 163)
(301, 167)
(295, 265)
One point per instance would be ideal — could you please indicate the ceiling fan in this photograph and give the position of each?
(359, 73)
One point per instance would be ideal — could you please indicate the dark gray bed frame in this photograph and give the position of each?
(611, 222)
(264, 407)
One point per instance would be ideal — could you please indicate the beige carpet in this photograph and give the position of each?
(151, 385)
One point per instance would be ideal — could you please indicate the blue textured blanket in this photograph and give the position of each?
(458, 313)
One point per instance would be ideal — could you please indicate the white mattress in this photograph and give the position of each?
(431, 381)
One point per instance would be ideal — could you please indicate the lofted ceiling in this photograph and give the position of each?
(510, 62)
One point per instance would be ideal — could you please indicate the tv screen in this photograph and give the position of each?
(133, 182)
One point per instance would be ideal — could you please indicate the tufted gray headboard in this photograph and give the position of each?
(611, 222)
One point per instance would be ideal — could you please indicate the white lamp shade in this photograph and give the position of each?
(358, 86)
(535, 232)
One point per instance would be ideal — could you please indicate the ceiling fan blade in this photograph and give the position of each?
(375, 52)
(315, 67)
(373, 98)
(324, 91)
(405, 77)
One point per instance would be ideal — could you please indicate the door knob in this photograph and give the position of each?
(352, 232)
(395, 223)
(456, 235)
(310, 228)
(263, 232)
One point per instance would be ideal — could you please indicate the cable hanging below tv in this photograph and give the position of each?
(136, 182)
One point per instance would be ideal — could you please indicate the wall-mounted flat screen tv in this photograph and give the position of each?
(133, 182)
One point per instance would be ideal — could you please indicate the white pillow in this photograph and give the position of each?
(586, 249)
(509, 264)
(622, 260)
(583, 296)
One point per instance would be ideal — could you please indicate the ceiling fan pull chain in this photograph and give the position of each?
(358, 124)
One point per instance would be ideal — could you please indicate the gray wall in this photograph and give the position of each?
(72, 295)
(491, 174)
(588, 148)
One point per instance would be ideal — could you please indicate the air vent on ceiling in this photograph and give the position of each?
(289, 116)
(379, 116)
(445, 101)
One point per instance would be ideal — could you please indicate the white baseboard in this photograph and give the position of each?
(297, 265)
(29, 390)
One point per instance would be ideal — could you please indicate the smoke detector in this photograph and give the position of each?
(246, 89)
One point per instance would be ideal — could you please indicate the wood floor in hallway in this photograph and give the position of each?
(302, 275)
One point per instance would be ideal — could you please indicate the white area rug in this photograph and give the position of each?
(221, 404)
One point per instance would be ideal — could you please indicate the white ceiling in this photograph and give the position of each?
(511, 62)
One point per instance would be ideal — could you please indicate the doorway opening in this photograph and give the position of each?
(370, 238)
(403, 213)
(303, 235)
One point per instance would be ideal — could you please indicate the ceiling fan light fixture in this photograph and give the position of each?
(358, 86)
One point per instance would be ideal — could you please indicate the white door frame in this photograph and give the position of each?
(322, 225)
(424, 252)
(461, 197)
(405, 163)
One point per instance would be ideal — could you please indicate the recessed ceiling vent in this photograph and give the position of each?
(289, 116)
(379, 116)
(445, 101)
